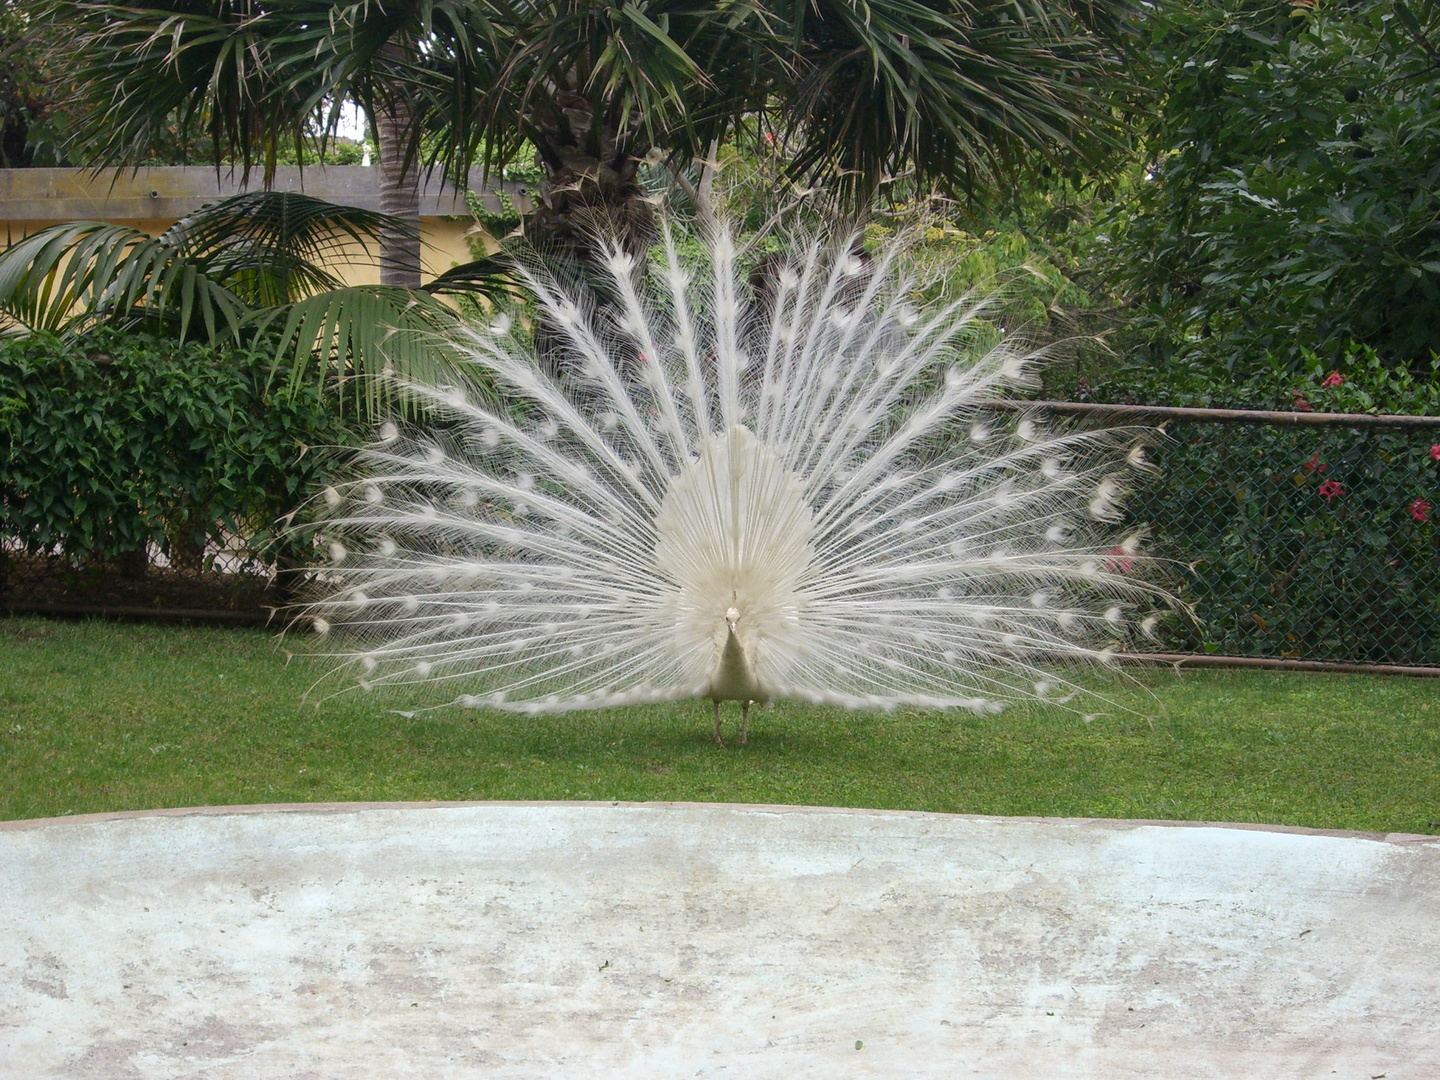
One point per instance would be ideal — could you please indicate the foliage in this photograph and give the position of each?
(1366, 384)
(257, 269)
(29, 94)
(1294, 194)
(957, 92)
(501, 224)
(113, 441)
(1031, 290)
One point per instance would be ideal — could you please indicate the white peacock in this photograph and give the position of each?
(801, 496)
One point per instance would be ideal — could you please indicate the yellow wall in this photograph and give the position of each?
(442, 241)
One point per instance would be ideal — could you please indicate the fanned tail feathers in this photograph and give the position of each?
(819, 459)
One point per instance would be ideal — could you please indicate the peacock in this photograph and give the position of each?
(736, 477)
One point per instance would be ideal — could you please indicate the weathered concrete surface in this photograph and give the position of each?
(572, 940)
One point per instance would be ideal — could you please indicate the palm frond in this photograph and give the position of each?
(664, 73)
(250, 79)
(360, 335)
(245, 77)
(275, 247)
(255, 268)
(488, 277)
(958, 91)
(66, 277)
(438, 57)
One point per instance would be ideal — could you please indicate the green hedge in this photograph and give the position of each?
(118, 440)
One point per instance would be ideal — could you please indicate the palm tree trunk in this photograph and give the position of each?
(579, 193)
(399, 191)
(591, 178)
(591, 185)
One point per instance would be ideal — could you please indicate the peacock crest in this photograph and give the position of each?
(722, 492)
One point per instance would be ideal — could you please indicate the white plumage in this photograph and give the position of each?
(800, 496)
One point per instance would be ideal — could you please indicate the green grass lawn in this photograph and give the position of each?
(107, 716)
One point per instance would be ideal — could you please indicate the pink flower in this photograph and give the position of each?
(1435, 452)
(1122, 560)
(1420, 511)
(769, 138)
(1330, 490)
(1315, 464)
(1301, 403)
(1333, 379)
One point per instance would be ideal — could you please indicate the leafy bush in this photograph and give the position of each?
(114, 441)
(1033, 289)
(1293, 202)
(1359, 382)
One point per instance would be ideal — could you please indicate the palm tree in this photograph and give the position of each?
(955, 92)
(251, 77)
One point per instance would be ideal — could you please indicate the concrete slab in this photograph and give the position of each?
(582, 940)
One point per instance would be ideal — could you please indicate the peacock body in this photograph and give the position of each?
(737, 494)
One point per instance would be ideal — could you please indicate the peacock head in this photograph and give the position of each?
(732, 616)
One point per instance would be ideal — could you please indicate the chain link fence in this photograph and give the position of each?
(216, 585)
(1297, 536)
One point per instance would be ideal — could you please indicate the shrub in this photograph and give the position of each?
(116, 441)
(1366, 384)
(1292, 201)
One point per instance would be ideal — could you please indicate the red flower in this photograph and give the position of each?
(1315, 464)
(1330, 490)
(1435, 452)
(1333, 379)
(1123, 562)
(1301, 403)
(1420, 511)
(769, 138)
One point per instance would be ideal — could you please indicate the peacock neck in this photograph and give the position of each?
(734, 680)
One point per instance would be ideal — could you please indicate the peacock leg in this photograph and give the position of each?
(718, 739)
(744, 722)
